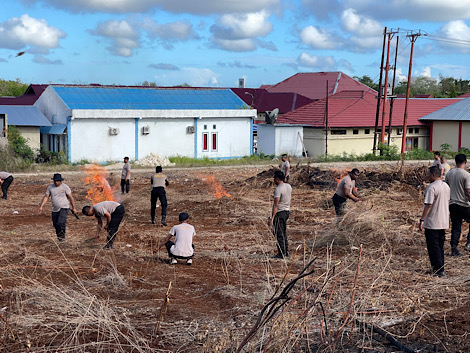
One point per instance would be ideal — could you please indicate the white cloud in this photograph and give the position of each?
(176, 6)
(323, 63)
(17, 33)
(414, 10)
(457, 30)
(163, 66)
(40, 59)
(317, 38)
(238, 32)
(322, 8)
(169, 33)
(123, 38)
(426, 72)
(366, 33)
(192, 76)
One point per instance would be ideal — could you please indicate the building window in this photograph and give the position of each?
(338, 132)
(214, 141)
(411, 142)
(367, 131)
(399, 131)
(410, 130)
(214, 127)
(205, 127)
(416, 130)
(205, 142)
(355, 132)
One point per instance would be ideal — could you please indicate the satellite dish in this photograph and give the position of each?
(271, 117)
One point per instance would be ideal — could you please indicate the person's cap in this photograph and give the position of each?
(183, 216)
(57, 177)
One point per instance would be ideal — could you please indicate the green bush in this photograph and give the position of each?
(206, 161)
(419, 154)
(19, 144)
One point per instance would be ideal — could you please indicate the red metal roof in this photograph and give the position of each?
(313, 84)
(465, 95)
(358, 109)
(262, 100)
(33, 92)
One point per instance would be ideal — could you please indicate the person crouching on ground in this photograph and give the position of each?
(113, 212)
(183, 247)
(5, 181)
(435, 219)
(346, 190)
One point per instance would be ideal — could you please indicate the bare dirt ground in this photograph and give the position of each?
(371, 270)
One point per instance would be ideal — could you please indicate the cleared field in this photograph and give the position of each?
(371, 270)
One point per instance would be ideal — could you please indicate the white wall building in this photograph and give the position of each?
(104, 123)
(280, 138)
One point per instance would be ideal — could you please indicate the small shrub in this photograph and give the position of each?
(419, 154)
(19, 144)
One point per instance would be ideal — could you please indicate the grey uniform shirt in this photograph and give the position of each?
(126, 168)
(4, 175)
(284, 193)
(458, 180)
(438, 195)
(59, 196)
(347, 183)
(158, 180)
(284, 167)
(105, 206)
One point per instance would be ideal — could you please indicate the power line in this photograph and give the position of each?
(447, 39)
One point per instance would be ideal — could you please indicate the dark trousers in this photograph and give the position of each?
(5, 185)
(458, 213)
(59, 221)
(279, 229)
(125, 183)
(435, 242)
(116, 218)
(158, 193)
(339, 203)
(168, 246)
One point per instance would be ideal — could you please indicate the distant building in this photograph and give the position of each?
(105, 123)
(450, 125)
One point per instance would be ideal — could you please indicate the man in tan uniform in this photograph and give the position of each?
(113, 212)
(435, 219)
(159, 181)
(280, 214)
(346, 190)
(125, 176)
(285, 167)
(183, 247)
(61, 197)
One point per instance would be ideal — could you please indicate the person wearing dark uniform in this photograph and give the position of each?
(125, 176)
(159, 181)
(113, 212)
(5, 181)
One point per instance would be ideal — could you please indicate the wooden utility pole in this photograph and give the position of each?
(392, 98)
(374, 147)
(326, 120)
(385, 89)
(413, 37)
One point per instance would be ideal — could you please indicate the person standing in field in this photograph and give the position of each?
(5, 181)
(458, 180)
(159, 181)
(435, 219)
(437, 159)
(346, 190)
(280, 214)
(285, 167)
(125, 176)
(62, 199)
(444, 167)
(113, 212)
(183, 247)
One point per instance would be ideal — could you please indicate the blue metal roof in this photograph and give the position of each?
(21, 115)
(148, 98)
(459, 111)
(56, 129)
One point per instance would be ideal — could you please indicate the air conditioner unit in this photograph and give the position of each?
(113, 131)
(191, 129)
(146, 130)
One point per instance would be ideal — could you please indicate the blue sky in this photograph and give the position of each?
(212, 43)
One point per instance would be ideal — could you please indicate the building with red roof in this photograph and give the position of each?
(315, 85)
(351, 122)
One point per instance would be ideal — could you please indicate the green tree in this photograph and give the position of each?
(12, 88)
(148, 84)
(19, 144)
(366, 80)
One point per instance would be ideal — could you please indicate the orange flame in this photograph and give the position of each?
(217, 189)
(341, 174)
(99, 188)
